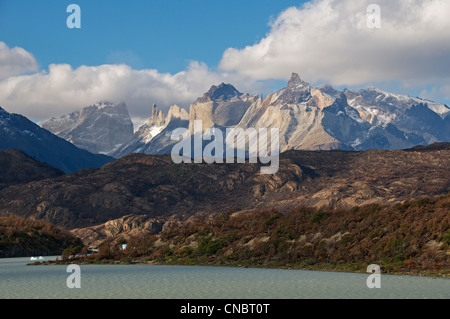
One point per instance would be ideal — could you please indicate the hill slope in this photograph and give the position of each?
(17, 132)
(18, 168)
(26, 237)
(140, 184)
(413, 237)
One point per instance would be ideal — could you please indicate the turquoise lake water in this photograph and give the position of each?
(17, 280)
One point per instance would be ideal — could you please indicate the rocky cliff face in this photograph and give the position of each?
(398, 121)
(99, 128)
(158, 118)
(124, 227)
(324, 118)
(298, 111)
(221, 106)
(154, 136)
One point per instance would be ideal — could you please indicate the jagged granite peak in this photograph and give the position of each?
(154, 110)
(152, 127)
(221, 106)
(297, 91)
(330, 91)
(339, 105)
(176, 112)
(158, 118)
(221, 92)
(294, 81)
(296, 84)
(154, 135)
(99, 128)
(18, 132)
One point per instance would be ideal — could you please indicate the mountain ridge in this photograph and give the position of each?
(99, 128)
(316, 118)
(154, 186)
(18, 132)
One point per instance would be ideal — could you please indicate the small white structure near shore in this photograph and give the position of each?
(37, 258)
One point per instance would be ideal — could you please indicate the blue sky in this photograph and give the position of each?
(161, 34)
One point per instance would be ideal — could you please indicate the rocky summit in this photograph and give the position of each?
(154, 136)
(100, 128)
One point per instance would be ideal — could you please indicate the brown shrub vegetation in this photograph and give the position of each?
(413, 236)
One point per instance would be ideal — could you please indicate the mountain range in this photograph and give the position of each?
(309, 118)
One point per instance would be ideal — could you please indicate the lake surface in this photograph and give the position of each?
(17, 280)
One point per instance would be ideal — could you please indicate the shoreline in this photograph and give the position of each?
(445, 274)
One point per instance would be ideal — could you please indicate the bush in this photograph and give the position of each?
(209, 246)
(318, 217)
(349, 239)
(185, 252)
(71, 251)
(446, 237)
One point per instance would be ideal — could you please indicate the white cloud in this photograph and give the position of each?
(15, 61)
(329, 41)
(61, 89)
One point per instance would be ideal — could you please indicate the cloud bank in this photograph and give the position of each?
(62, 89)
(329, 41)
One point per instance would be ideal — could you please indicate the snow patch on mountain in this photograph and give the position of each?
(98, 128)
